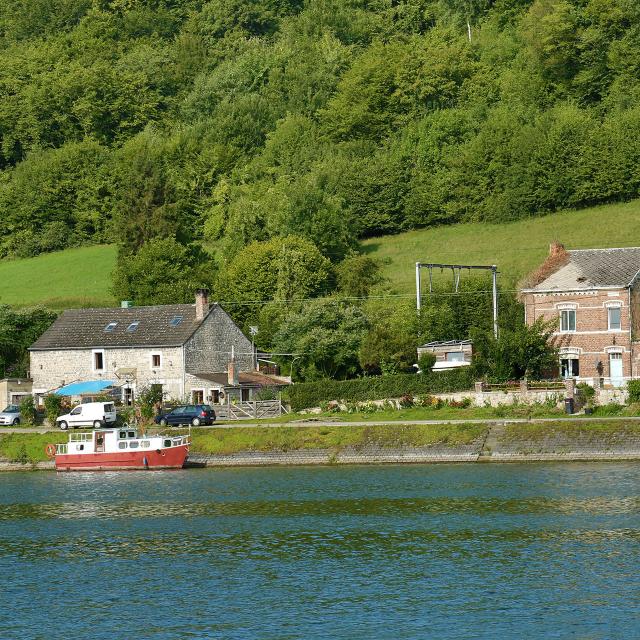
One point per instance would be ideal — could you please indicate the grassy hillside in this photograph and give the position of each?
(81, 277)
(71, 278)
(516, 247)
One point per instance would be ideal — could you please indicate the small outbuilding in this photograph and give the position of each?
(449, 354)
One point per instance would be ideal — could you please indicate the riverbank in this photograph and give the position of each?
(501, 441)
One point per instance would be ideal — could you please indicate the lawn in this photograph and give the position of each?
(516, 247)
(65, 279)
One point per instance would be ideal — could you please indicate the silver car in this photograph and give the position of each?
(11, 415)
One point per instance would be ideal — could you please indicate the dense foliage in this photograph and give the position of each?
(18, 331)
(235, 121)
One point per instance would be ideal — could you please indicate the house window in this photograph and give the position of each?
(156, 360)
(98, 360)
(244, 395)
(569, 367)
(197, 396)
(175, 321)
(133, 326)
(111, 327)
(614, 319)
(567, 320)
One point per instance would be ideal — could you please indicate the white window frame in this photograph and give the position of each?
(93, 360)
(152, 356)
(610, 308)
(575, 320)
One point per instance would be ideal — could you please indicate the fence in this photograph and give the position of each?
(253, 410)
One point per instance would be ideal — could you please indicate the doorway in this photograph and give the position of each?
(615, 369)
(99, 448)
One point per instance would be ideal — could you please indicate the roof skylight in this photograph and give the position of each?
(175, 321)
(133, 326)
(111, 327)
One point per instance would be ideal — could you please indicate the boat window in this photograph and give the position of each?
(132, 434)
(134, 444)
(167, 443)
(145, 444)
(79, 447)
(123, 434)
(122, 445)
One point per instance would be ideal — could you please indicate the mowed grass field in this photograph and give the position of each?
(516, 247)
(62, 280)
(81, 277)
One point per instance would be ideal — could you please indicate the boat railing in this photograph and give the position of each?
(80, 437)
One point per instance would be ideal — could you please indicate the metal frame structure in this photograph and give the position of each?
(456, 269)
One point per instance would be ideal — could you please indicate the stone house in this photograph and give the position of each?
(176, 348)
(594, 296)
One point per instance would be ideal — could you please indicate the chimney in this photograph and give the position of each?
(555, 248)
(202, 303)
(232, 370)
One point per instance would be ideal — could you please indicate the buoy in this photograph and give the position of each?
(50, 450)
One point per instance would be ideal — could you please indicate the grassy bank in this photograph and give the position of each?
(227, 441)
(614, 432)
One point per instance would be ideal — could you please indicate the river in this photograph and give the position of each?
(430, 551)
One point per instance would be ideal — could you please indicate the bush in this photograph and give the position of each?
(612, 409)
(28, 409)
(426, 361)
(633, 387)
(52, 407)
(312, 394)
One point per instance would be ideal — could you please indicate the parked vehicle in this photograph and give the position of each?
(11, 415)
(194, 414)
(91, 414)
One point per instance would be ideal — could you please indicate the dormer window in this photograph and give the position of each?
(110, 327)
(133, 326)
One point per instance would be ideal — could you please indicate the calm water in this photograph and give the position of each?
(451, 551)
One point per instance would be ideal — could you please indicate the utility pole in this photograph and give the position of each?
(456, 268)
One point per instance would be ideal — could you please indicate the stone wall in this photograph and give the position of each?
(209, 349)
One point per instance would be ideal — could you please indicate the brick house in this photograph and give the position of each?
(594, 295)
(193, 352)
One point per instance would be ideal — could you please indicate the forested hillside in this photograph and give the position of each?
(249, 144)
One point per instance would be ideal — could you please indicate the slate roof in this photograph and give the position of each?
(85, 328)
(593, 269)
(245, 378)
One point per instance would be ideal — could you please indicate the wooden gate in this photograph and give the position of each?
(250, 410)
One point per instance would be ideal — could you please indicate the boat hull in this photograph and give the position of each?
(169, 458)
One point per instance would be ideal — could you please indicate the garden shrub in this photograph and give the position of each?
(633, 387)
(311, 394)
(52, 407)
(28, 409)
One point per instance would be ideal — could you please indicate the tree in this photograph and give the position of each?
(325, 336)
(163, 271)
(357, 274)
(519, 351)
(19, 329)
(277, 269)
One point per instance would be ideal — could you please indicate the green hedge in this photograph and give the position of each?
(311, 394)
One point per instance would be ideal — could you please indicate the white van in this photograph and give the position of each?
(91, 414)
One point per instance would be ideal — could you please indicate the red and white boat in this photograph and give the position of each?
(119, 448)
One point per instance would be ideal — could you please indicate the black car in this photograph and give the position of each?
(195, 414)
